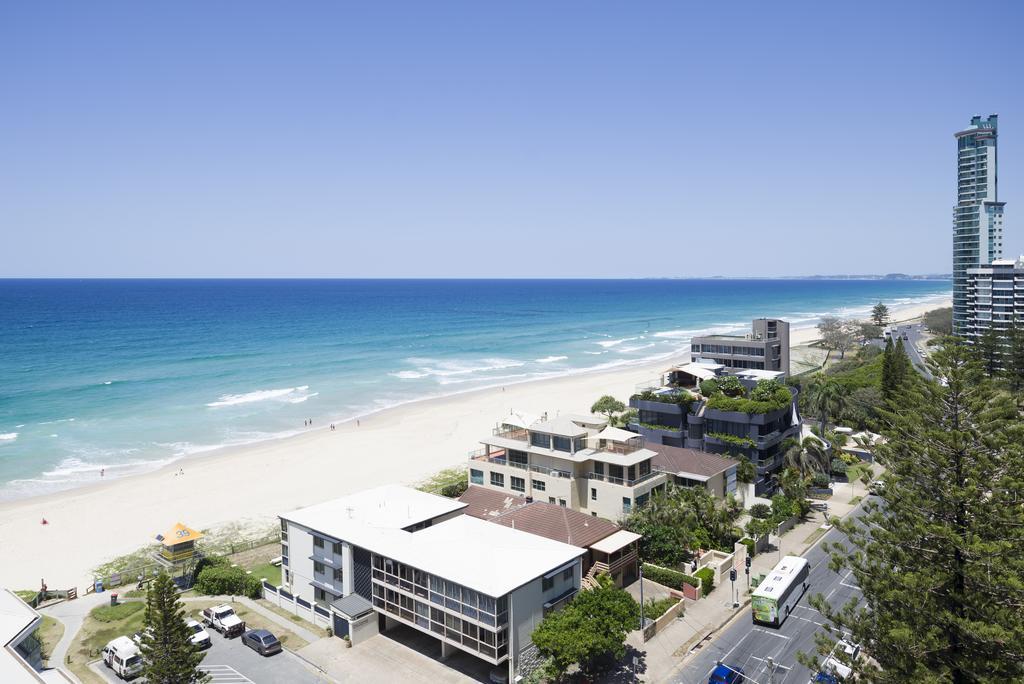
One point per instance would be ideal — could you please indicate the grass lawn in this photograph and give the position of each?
(815, 536)
(272, 573)
(101, 625)
(49, 634)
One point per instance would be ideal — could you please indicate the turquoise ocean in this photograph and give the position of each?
(129, 375)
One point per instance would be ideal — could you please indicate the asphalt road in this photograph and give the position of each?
(915, 339)
(742, 644)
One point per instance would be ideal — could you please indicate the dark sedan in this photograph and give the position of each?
(261, 641)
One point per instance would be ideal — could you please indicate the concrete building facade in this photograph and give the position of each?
(766, 347)
(576, 461)
(978, 214)
(995, 297)
(416, 560)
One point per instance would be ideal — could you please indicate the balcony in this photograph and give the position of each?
(508, 432)
(623, 482)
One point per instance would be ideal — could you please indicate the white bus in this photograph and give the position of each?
(774, 599)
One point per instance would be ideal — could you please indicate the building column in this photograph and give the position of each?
(446, 650)
(347, 569)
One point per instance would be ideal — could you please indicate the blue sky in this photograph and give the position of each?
(448, 139)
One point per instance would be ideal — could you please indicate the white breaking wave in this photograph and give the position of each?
(444, 369)
(637, 348)
(54, 422)
(607, 344)
(285, 394)
(551, 359)
(8, 436)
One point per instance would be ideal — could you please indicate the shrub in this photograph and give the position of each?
(783, 507)
(749, 543)
(707, 580)
(765, 390)
(669, 578)
(731, 386)
(838, 466)
(219, 580)
(820, 480)
(709, 387)
(761, 510)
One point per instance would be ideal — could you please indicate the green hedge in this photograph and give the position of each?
(707, 580)
(669, 578)
(749, 543)
(215, 580)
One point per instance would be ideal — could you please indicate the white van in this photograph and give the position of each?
(123, 657)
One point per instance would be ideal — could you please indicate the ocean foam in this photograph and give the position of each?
(551, 359)
(607, 344)
(8, 436)
(443, 369)
(259, 395)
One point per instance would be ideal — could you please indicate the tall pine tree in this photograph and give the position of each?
(940, 565)
(888, 378)
(168, 655)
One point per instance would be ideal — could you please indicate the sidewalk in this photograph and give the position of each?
(72, 615)
(666, 650)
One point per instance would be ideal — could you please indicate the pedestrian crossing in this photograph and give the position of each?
(225, 674)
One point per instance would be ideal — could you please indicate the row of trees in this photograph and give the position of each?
(940, 564)
(842, 335)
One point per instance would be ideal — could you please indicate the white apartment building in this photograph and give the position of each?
(576, 461)
(21, 658)
(414, 559)
(995, 297)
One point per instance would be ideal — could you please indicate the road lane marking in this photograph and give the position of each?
(813, 622)
(765, 631)
(225, 674)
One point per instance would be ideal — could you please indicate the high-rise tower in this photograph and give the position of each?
(978, 214)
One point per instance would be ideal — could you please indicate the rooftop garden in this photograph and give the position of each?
(728, 394)
(681, 398)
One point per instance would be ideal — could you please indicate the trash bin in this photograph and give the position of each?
(98, 588)
(113, 599)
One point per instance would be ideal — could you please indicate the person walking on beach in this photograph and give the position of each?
(102, 470)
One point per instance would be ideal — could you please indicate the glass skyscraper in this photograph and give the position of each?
(978, 214)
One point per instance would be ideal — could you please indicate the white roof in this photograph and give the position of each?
(563, 426)
(518, 419)
(615, 541)
(758, 374)
(490, 558)
(774, 583)
(16, 617)
(616, 434)
(704, 371)
(476, 553)
(391, 507)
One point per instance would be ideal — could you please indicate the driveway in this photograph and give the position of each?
(228, 661)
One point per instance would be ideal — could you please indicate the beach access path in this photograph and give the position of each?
(252, 484)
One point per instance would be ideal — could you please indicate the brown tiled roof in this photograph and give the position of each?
(482, 502)
(670, 459)
(558, 523)
(538, 517)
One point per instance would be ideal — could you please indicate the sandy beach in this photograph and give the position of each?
(251, 484)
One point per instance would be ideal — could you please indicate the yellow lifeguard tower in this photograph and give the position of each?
(178, 546)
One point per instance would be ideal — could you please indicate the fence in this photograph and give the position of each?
(296, 605)
(655, 626)
(786, 525)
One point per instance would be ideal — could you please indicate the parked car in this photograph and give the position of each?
(262, 641)
(723, 674)
(849, 648)
(223, 619)
(498, 675)
(123, 657)
(877, 487)
(200, 637)
(824, 678)
(832, 672)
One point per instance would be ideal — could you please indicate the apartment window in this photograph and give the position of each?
(476, 476)
(518, 457)
(561, 443)
(337, 575)
(551, 499)
(337, 548)
(497, 480)
(321, 595)
(599, 467)
(547, 583)
(627, 504)
(561, 502)
(538, 485)
(318, 567)
(318, 542)
(593, 494)
(567, 574)
(518, 484)
(538, 439)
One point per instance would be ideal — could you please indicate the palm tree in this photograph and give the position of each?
(810, 457)
(826, 397)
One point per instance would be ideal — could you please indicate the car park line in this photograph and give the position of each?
(225, 674)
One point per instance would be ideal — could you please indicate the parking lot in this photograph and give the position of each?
(228, 661)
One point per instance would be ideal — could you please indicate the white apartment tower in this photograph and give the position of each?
(978, 214)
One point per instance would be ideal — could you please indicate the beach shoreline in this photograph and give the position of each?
(251, 484)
